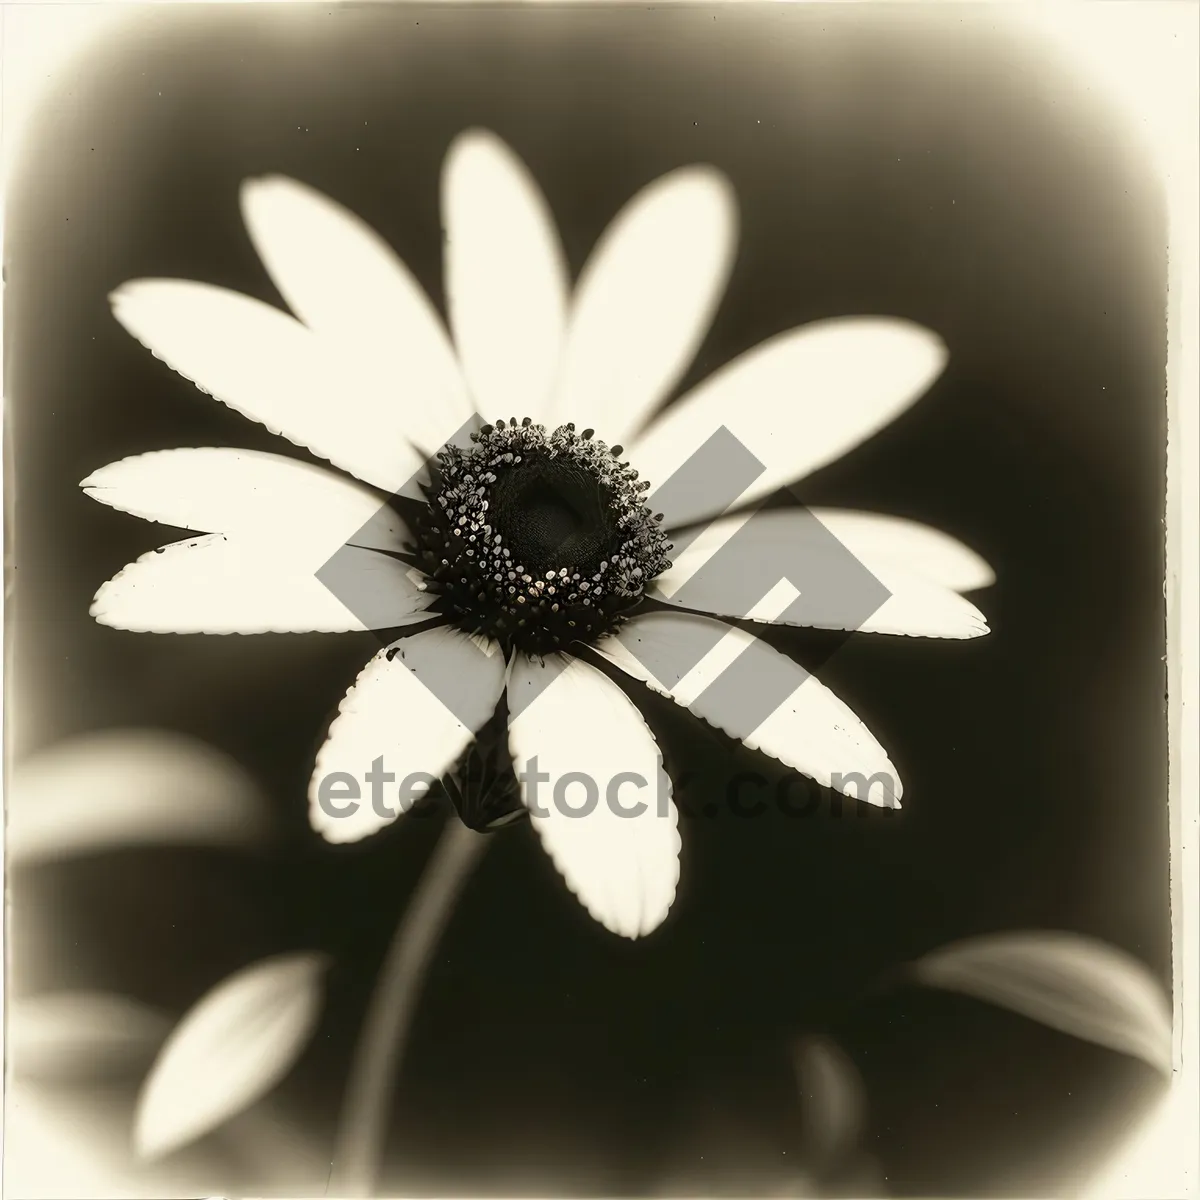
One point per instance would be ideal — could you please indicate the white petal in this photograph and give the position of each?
(919, 550)
(915, 608)
(795, 402)
(270, 368)
(347, 284)
(417, 711)
(218, 490)
(730, 565)
(645, 301)
(767, 701)
(506, 277)
(230, 1049)
(224, 584)
(129, 787)
(623, 867)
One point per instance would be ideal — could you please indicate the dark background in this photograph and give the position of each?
(908, 162)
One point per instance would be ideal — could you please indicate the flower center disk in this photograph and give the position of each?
(537, 538)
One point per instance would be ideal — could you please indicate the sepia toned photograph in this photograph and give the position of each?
(589, 606)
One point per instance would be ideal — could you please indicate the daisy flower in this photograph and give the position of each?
(524, 568)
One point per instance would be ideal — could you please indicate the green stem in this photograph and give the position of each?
(362, 1131)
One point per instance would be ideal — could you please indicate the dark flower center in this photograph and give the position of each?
(552, 514)
(538, 539)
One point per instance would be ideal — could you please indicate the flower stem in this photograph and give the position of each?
(362, 1130)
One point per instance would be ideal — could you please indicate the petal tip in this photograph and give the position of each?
(331, 830)
(473, 146)
(102, 477)
(911, 328)
(262, 183)
(637, 929)
(476, 137)
(984, 577)
(256, 190)
(129, 301)
(909, 335)
(475, 159)
(708, 194)
(719, 187)
(98, 609)
(120, 297)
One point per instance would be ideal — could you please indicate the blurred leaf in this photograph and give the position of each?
(230, 1049)
(79, 1035)
(833, 1101)
(128, 787)
(1075, 984)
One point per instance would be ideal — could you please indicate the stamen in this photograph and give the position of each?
(572, 509)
